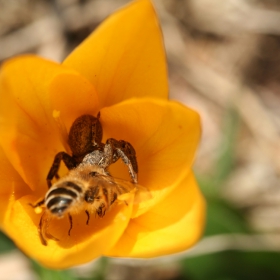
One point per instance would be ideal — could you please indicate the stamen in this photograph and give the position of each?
(62, 129)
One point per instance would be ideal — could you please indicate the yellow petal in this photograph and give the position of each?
(165, 136)
(71, 97)
(31, 89)
(173, 225)
(125, 56)
(11, 185)
(85, 243)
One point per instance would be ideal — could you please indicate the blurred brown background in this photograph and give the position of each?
(223, 58)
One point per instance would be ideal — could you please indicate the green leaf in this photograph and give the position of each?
(49, 274)
(223, 218)
(6, 244)
(226, 159)
(233, 265)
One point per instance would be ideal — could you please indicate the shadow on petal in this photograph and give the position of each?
(12, 187)
(85, 243)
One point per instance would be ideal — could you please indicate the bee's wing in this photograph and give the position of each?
(121, 187)
(141, 193)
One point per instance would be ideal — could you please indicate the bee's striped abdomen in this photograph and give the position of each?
(60, 197)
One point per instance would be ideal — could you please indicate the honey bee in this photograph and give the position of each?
(88, 186)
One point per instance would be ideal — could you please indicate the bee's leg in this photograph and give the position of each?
(61, 156)
(125, 151)
(101, 210)
(88, 216)
(71, 223)
(41, 202)
(41, 229)
(49, 236)
(115, 196)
